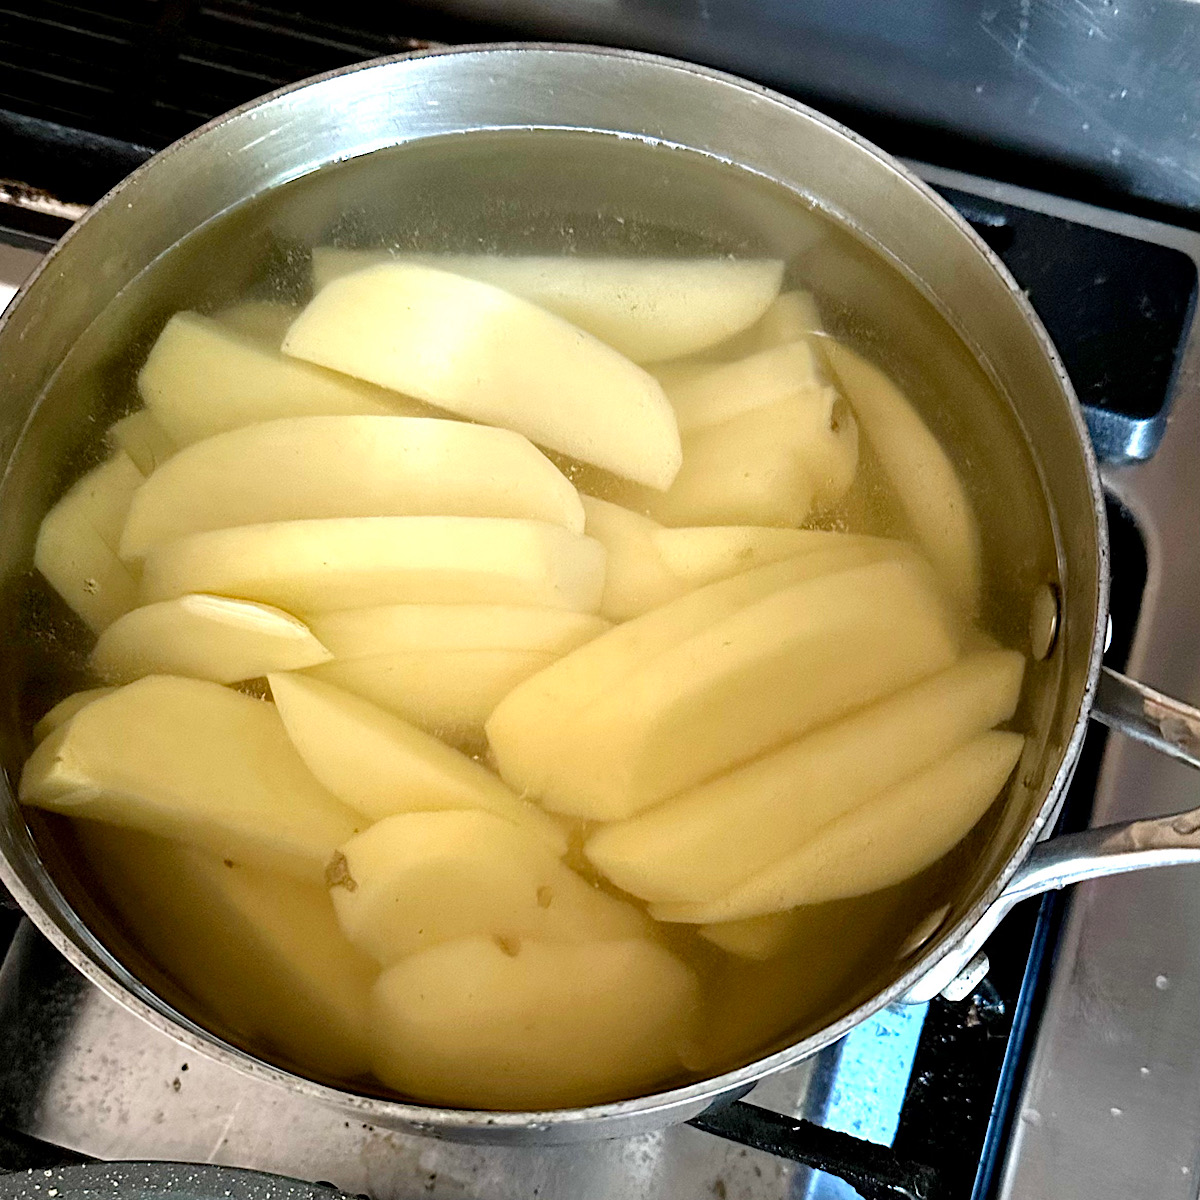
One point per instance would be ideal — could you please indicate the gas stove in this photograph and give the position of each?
(1071, 1070)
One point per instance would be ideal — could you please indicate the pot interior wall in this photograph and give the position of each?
(553, 192)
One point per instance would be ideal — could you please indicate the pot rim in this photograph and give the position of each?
(102, 969)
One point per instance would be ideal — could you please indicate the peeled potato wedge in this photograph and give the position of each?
(316, 566)
(746, 471)
(416, 879)
(803, 656)
(380, 765)
(265, 321)
(397, 628)
(64, 710)
(77, 543)
(204, 637)
(143, 439)
(756, 938)
(554, 1025)
(649, 309)
(203, 377)
(449, 692)
(191, 760)
(649, 564)
(311, 467)
(635, 578)
(483, 353)
(789, 317)
(705, 841)
(262, 952)
(706, 394)
(705, 553)
(864, 850)
(542, 708)
(918, 469)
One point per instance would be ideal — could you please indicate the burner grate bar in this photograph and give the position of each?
(876, 1172)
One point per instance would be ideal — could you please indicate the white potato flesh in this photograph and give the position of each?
(78, 539)
(143, 439)
(919, 470)
(319, 566)
(448, 692)
(705, 553)
(539, 710)
(416, 879)
(64, 710)
(703, 842)
(202, 378)
(890, 838)
(303, 468)
(647, 308)
(380, 765)
(396, 628)
(264, 320)
(744, 472)
(263, 952)
(755, 938)
(790, 317)
(483, 353)
(191, 760)
(635, 578)
(705, 394)
(555, 1025)
(800, 657)
(204, 637)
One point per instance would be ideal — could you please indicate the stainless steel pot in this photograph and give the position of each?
(353, 112)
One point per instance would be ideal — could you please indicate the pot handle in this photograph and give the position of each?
(1170, 727)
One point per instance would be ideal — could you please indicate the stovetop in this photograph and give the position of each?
(1073, 1070)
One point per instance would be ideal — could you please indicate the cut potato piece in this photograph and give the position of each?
(790, 317)
(143, 439)
(448, 692)
(380, 765)
(265, 321)
(649, 309)
(711, 394)
(555, 1025)
(396, 628)
(205, 637)
(77, 542)
(100, 500)
(262, 952)
(361, 562)
(800, 657)
(649, 565)
(703, 842)
(767, 466)
(486, 354)
(744, 472)
(539, 710)
(757, 938)
(705, 553)
(635, 578)
(311, 467)
(882, 842)
(918, 469)
(64, 710)
(192, 760)
(420, 878)
(203, 378)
